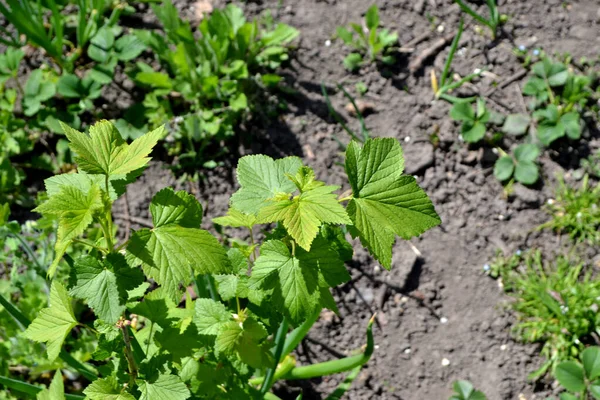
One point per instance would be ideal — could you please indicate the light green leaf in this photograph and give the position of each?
(129, 47)
(473, 132)
(385, 203)
(516, 124)
(372, 17)
(173, 253)
(462, 111)
(210, 316)
(594, 389)
(590, 358)
(261, 178)
(296, 289)
(304, 214)
(180, 208)
(352, 61)
(53, 324)
(236, 219)
(56, 391)
(570, 375)
(228, 337)
(105, 287)
(504, 168)
(107, 389)
(75, 211)
(571, 123)
(527, 172)
(166, 387)
(105, 152)
(244, 340)
(527, 152)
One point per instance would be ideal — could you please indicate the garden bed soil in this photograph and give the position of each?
(439, 308)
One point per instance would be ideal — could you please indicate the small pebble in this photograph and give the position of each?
(407, 351)
(477, 71)
(376, 347)
(522, 48)
(407, 139)
(445, 362)
(550, 202)
(440, 28)
(501, 217)
(503, 347)
(443, 320)
(327, 43)
(486, 267)
(518, 252)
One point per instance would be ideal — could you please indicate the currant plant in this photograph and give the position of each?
(235, 339)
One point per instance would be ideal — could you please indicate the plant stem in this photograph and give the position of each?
(108, 235)
(296, 336)
(473, 14)
(149, 337)
(453, 48)
(279, 344)
(283, 368)
(133, 371)
(88, 243)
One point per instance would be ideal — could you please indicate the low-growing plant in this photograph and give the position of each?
(556, 304)
(233, 341)
(368, 43)
(473, 122)
(559, 98)
(580, 379)
(520, 166)
(575, 211)
(494, 20)
(591, 164)
(208, 84)
(464, 390)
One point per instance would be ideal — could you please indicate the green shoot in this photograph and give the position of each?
(494, 20)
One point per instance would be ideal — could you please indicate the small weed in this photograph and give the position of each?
(591, 164)
(576, 211)
(521, 165)
(464, 390)
(556, 304)
(473, 122)
(368, 44)
(492, 22)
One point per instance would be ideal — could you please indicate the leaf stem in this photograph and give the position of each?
(88, 243)
(279, 344)
(133, 371)
(108, 235)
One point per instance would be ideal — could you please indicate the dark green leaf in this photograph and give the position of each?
(570, 375)
(516, 124)
(504, 168)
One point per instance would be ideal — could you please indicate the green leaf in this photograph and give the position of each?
(526, 172)
(53, 324)
(105, 287)
(296, 288)
(527, 152)
(129, 47)
(344, 34)
(106, 389)
(56, 391)
(590, 358)
(473, 132)
(238, 103)
(101, 45)
(372, 17)
(594, 389)
(210, 316)
(571, 123)
(166, 387)
(75, 211)
(504, 168)
(385, 203)
(548, 132)
(556, 74)
(570, 375)
(180, 208)
(157, 80)
(105, 152)
(304, 214)
(236, 219)
(567, 396)
(261, 178)
(462, 111)
(463, 388)
(516, 124)
(353, 61)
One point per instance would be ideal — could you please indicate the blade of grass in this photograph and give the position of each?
(363, 128)
(473, 14)
(335, 115)
(29, 389)
(453, 48)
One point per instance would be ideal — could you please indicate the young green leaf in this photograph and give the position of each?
(555, 74)
(166, 387)
(37, 90)
(372, 17)
(516, 124)
(590, 358)
(106, 389)
(56, 391)
(75, 210)
(462, 111)
(261, 178)
(210, 316)
(504, 168)
(53, 324)
(385, 203)
(353, 61)
(570, 375)
(173, 251)
(236, 219)
(105, 152)
(104, 285)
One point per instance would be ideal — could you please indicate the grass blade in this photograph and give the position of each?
(29, 389)
(363, 128)
(335, 115)
(453, 48)
(473, 14)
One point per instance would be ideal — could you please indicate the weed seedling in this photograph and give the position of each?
(442, 88)
(464, 390)
(521, 165)
(576, 212)
(556, 305)
(368, 43)
(473, 122)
